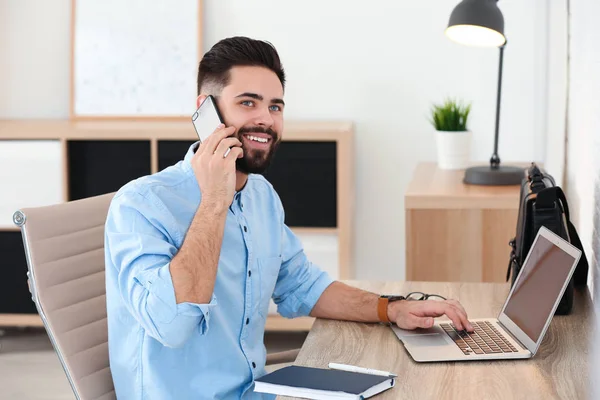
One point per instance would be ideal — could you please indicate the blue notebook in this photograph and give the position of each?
(316, 383)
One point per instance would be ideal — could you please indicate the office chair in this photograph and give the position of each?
(64, 246)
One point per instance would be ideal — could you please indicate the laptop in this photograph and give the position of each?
(523, 321)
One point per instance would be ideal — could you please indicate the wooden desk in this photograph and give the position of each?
(457, 232)
(558, 370)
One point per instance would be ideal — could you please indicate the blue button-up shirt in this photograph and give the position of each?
(163, 350)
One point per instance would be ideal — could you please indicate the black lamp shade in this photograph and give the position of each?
(477, 23)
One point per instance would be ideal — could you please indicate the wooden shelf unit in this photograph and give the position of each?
(154, 135)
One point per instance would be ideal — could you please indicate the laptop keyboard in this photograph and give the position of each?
(485, 340)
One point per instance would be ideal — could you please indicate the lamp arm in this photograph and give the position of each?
(495, 160)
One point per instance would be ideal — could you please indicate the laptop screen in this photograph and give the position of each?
(537, 288)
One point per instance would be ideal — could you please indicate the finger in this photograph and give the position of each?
(456, 304)
(456, 317)
(458, 309)
(463, 319)
(215, 138)
(204, 144)
(462, 313)
(440, 308)
(200, 100)
(226, 144)
(235, 153)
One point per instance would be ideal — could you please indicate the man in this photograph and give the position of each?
(195, 252)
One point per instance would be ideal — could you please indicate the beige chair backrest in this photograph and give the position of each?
(64, 245)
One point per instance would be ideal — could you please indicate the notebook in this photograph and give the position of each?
(316, 383)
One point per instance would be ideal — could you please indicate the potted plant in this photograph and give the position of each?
(453, 139)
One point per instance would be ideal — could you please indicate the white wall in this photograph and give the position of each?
(557, 88)
(378, 63)
(583, 147)
(583, 151)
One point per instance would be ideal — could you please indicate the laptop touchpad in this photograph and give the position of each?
(435, 339)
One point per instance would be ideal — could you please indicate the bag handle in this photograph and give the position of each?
(581, 272)
(546, 199)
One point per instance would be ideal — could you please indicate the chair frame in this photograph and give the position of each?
(20, 219)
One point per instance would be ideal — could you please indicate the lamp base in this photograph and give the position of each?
(486, 175)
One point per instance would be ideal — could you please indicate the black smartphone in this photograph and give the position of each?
(206, 118)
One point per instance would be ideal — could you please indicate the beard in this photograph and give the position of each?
(256, 161)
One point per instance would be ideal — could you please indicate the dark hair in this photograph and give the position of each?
(237, 51)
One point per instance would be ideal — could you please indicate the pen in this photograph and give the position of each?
(370, 371)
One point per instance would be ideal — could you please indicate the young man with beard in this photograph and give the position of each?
(195, 252)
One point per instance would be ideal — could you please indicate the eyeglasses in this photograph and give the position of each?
(423, 296)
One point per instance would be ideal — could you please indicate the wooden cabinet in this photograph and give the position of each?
(457, 232)
(48, 162)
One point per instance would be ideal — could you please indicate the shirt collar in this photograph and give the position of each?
(187, 160)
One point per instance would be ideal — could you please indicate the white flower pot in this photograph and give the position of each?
(453, 149)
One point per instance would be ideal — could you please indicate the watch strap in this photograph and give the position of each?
(382, 305)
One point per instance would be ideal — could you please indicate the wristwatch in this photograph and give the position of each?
(382, 306)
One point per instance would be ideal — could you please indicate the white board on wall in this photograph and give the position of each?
(135, 57)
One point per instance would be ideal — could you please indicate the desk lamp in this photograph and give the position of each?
(480, 23)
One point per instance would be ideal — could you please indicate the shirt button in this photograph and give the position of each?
(247, 321)
(249, 273)
(245, 229)
(253, 364)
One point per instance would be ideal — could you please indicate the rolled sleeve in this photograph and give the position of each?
(162, 302)
(300, 283)
(306, 296)
(139, 248)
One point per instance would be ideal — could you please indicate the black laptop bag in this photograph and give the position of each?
(542, 203)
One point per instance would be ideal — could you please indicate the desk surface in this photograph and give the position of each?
(432, 187)
(558, 370)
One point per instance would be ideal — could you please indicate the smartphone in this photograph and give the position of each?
(206, 118)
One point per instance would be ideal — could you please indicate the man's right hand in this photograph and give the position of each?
(216, 174)
(413, 314)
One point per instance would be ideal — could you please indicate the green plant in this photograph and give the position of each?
(450, 116)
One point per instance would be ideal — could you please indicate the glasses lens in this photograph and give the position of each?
(435, 297)
(416, 296)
